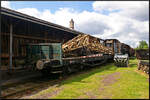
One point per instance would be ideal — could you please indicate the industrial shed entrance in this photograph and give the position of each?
(18, 29)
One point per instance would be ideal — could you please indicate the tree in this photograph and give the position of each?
(142, 45)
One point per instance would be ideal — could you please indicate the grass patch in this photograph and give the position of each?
(91, 84)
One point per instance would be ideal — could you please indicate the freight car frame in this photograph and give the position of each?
(49, 59)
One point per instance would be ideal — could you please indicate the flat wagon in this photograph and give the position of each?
(49, 58)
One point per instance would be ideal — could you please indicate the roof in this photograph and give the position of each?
(12, 13)
(111, 39)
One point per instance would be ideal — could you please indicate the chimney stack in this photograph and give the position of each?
(72, 24)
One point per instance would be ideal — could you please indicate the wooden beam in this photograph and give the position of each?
(84, 45)
(11, 41)
(30, 37)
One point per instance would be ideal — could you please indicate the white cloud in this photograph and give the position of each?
(30, 11)
(129, 28)
(115, 5)
(126, 30)
(133, 9)
(5, 4)
(45, 15)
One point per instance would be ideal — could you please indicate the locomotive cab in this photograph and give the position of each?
(44, 56)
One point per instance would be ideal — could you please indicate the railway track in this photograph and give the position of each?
(16, 90)
(32, 85)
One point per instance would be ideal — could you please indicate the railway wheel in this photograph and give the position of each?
(45, 72)
(65, 72)
(81, 67)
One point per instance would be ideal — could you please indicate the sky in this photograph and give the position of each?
(127, 21)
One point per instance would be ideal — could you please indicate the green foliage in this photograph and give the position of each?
(142, 45)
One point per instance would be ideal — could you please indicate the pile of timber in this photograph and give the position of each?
(84, 44)
(144, 66)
